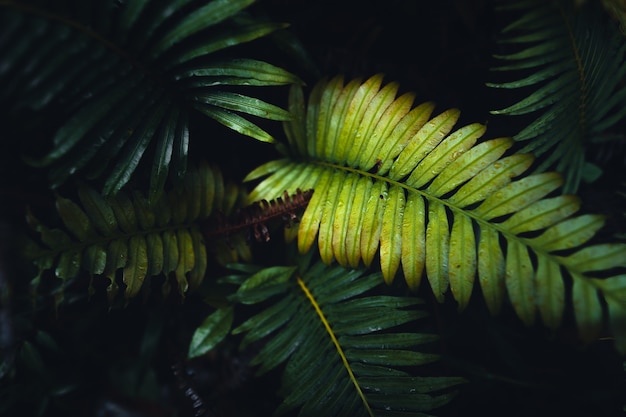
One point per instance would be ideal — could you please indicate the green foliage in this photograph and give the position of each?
(125, 233)
(393, 201)
(339, 342)
(390, 179)
(128, 78)
(211, 332)
(573, 63)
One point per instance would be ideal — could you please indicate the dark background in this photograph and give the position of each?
(441, 50)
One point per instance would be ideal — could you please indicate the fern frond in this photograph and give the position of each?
(390, 180)
(125, 79)
(103, 235)
(617, 10)
(342, 352)
(572, 62)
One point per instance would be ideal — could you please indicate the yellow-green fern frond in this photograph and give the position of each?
(431, 200)
(101, 236)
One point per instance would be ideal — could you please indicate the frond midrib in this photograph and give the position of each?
(581, 74)
(456, 211)
(79, 245)
(318, 310)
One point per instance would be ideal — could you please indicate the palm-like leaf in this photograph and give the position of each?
(127, 76)
(389, 179)
(125, 233)
(573, 64)
(341, 353)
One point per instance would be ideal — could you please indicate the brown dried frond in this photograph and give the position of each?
(255, 216)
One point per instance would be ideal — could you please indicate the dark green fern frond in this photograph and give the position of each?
(124, 77)
(431, 201)
(101, 236)
(617, 10)
(345, 351)
(572, 62)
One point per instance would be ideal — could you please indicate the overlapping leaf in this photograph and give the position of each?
(102, 236)
(391, 180)
(124, 76)
(572, 62)
(342, 353)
